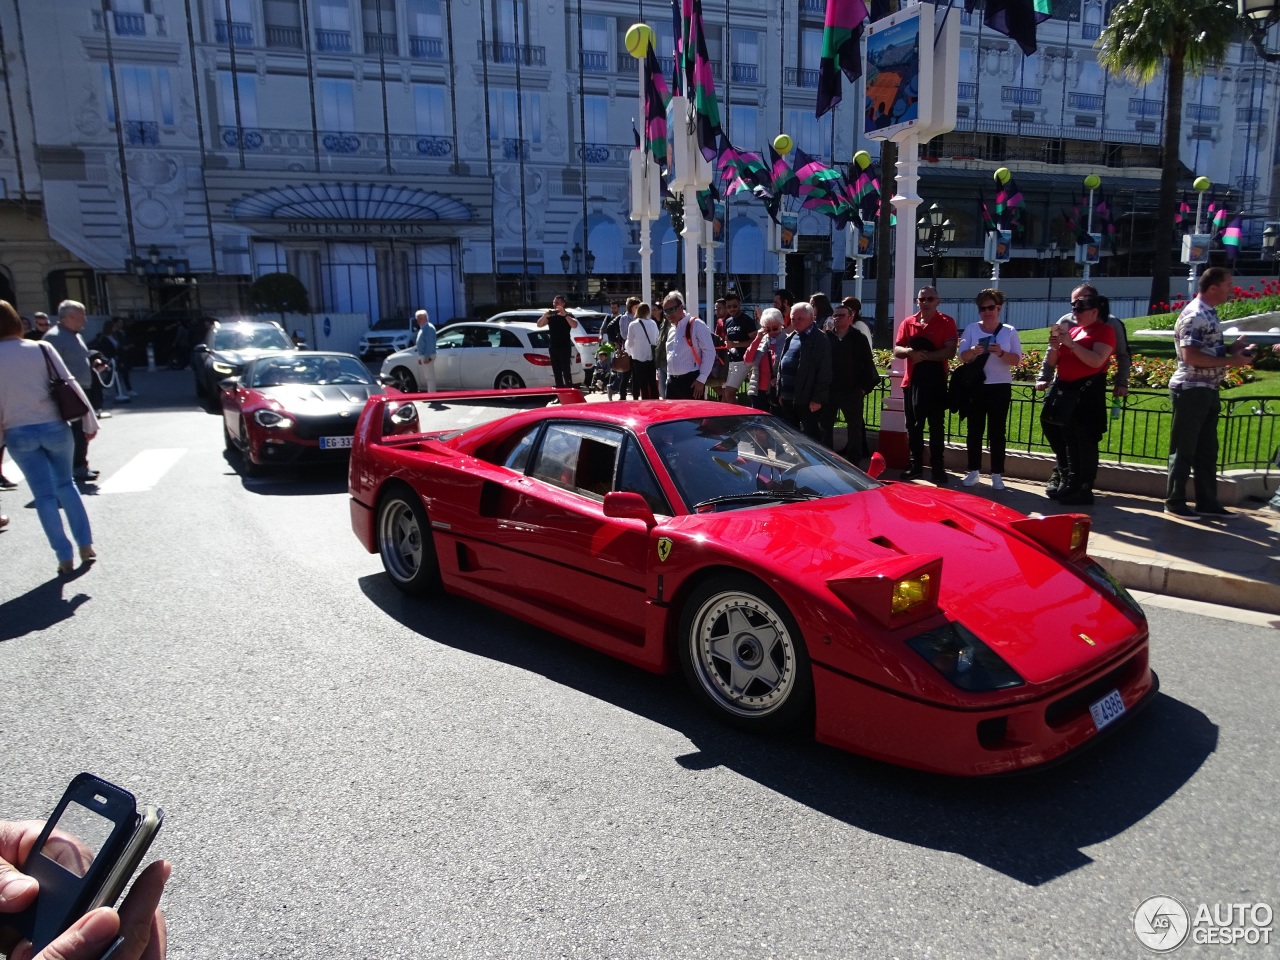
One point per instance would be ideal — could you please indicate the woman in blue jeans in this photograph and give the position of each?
(39, 440)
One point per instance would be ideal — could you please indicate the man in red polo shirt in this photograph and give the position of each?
(927, 340)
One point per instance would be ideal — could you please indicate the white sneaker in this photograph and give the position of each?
(971, 478)
(997, 482)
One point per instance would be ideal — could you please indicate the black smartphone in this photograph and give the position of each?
(86, 853)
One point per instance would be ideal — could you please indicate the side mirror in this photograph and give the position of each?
(876, 466)
(628, 506)
(200, 348)
(230, 383)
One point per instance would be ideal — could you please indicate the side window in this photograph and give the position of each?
(578, 457)
(475, 337)
(508, 339)
(557, 457)
(449, 340)
(515, 456)
(635, 477)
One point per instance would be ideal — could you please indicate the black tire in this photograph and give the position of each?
(402, 379)
(744, 656)
(247, 466)
(226, 438)
(405, 544)
(508, 380)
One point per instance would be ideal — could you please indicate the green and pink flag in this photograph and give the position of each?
(841, 50)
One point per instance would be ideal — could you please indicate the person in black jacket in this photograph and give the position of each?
(804, 372)
(853, 376)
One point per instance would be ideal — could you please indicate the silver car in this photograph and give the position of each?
(481, 356)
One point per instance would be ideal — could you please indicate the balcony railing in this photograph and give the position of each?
(604, 153)
(130, 24)
(1025, 95)
(436, 147)
(288, 38)
(1145, 108)
(141, 133)
(800, 77)
(1203, 114)
(426, 48)
(280, 142)
(1249, 115)
(966, 18)
(1086, 101)
(380, 43)
(1090, 31)
(516, 149)
(667, 65)
(241, 33)
(341, 143)
(512, 53)
(333, 41)
(744, 73)
(594, 61)
(240, 138)
(813, 6)
(967, 91)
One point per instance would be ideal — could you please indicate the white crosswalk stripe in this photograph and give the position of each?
(141, 473)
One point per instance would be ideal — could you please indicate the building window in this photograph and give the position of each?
(333, 27)
(430, 109)
(504, 119)
(811, 135)
(744, 56)
(239, 28)
(146, 102)
(426, 30)
(744, 123)
(337, 107)
(283, 22)
(595, 113)
(378, 18)
(246, 89)
(509, 18)
(595, 44)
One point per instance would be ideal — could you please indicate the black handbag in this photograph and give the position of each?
(1060, 403)
(65, 396)
(966, 380)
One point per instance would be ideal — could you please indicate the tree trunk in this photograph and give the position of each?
(1167, 208)
(882, 334)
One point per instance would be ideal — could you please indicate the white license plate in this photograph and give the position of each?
(1107, 710)
(334, 443)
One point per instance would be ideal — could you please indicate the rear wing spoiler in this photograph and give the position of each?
(449, 413)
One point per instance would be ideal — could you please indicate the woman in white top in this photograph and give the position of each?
(39, 440)
(642, 344)
(1000, 345)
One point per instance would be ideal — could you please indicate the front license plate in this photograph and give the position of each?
(1107, 710)
(334, 443)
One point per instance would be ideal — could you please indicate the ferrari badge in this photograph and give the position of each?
(664, 548)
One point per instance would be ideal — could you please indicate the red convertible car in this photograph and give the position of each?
(917, 625)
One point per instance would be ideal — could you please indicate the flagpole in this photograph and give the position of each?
(1201, 184)
(1092, 181)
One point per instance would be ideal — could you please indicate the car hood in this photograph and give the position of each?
(239, 358)
(300, 396)
(1040, 614)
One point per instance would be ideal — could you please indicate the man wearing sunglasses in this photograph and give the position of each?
(691, 351)
(927, 341)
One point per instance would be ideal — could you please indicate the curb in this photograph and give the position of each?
(1156, 576)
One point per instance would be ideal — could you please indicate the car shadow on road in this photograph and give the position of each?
(1033, 828)
(307, 480)
(42, 607)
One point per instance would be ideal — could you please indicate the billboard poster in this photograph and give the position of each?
(788, 228)
(1090, 251)
(1195, 248)
(895, 74)
(998, 246)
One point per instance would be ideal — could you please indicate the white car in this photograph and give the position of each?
(386, 336)
(586, 338)
(481, 356)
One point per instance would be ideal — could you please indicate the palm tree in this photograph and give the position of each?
(1184, 37)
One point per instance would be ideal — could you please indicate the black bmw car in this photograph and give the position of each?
(230, 344)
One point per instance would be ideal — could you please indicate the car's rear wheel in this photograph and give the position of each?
(402, 379)
(404, 543)
(742, 652)
(508, 380)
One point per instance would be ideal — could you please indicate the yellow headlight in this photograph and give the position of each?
(909, 593)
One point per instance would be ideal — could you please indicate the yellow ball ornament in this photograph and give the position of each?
(1002, 175)
(783, 143)
(639, 40)
(1202, 184)
(862, 159)
(1092, 182)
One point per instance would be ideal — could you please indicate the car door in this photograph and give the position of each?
(448, 358)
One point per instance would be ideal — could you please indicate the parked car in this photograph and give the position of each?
(586, 338)
(925, 627)
(228, 345)
(296, 406)
(386, 336)
(481, 355)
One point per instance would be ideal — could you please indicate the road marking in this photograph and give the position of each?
(141, 473)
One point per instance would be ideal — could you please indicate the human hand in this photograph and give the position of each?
(1042, 386)
(139, 921)
(89, 436)
(699, 389)
(1119, 391)
(814, 407)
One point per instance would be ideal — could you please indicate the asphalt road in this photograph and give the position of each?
(349, 773)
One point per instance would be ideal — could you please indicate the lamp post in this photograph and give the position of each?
(1259, 16)
(1091, 183)
(935, 234)
(154, 271)
(1270, 244)
(1052, 269)
(578, 260)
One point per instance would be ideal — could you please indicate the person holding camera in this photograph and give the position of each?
(1203, 359)
(559, 322)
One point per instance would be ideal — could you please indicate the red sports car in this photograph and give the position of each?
(292, 407)
(917, 625)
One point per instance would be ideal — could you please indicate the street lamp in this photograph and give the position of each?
(1052, 268)
(577, 261)
(155, 271)
(1270, 246)
(1259, 16)
(935, 234)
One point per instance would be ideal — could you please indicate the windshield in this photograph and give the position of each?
(247, 336)
(725, 463)
(391, 323)
(311, 369)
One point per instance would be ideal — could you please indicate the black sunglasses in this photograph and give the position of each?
(988, 307)
(1079, 306)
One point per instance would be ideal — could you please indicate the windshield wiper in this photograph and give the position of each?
(787, 495)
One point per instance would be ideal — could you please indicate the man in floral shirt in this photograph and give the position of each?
(1193, 389)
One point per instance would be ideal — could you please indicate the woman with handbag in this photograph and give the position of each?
(642, 344)
(1074, 416)
(37, 397)
(997, 346)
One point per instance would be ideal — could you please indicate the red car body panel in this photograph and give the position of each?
(551, 557)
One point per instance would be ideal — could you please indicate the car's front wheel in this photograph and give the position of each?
(508, 380)
(742, 652)
(247, 465)
(404, 543)
(402, 379)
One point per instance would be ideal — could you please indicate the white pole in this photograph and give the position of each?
(647, 171)
(692, 233)
(893, 421)
(709, 271)
(1089, 230)
(995, 267)
(1191, 267)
